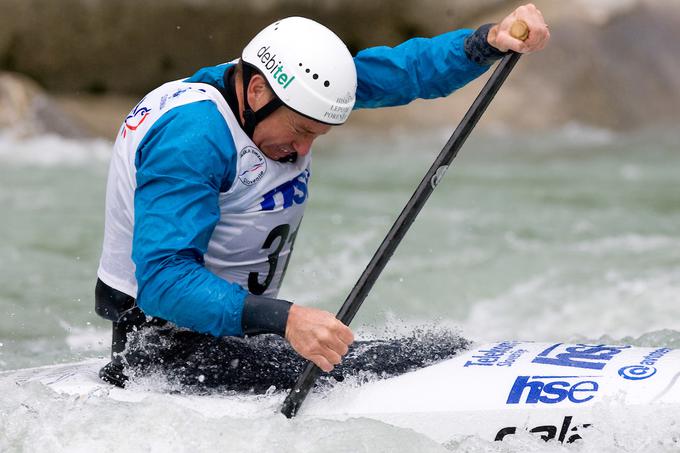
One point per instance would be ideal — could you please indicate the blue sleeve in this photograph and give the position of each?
(420, 68)
(183, 162)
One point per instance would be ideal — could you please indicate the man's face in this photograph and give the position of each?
(285, 132)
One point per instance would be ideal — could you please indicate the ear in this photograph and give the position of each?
(259, 93)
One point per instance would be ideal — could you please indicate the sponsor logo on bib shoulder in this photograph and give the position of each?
(135, 118)
(253, 165)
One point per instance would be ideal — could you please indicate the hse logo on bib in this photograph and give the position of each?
(287, 194)
(253, 165)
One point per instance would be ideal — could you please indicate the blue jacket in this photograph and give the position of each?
(185, 166)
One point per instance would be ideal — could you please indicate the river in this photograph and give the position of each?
(569, 235)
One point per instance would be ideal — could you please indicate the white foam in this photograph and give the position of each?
(84, 339)
(52, 150)
(40, 420)
(627, 243)
(545, 309)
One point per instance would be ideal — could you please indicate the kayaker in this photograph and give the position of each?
(208, 179)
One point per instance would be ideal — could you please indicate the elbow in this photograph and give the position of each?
(155, 281)
(181, 290)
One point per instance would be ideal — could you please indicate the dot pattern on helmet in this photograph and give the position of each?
(315, 76)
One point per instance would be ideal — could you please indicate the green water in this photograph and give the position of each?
(573, 234)
(561, 236)
(568, 235)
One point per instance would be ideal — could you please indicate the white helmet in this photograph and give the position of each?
(309, 68)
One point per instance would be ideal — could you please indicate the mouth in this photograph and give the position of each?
(281, 152)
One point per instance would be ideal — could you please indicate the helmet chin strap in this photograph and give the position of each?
(253, 118)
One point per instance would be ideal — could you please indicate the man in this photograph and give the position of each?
(208, 182)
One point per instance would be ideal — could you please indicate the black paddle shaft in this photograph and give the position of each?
(363, 286)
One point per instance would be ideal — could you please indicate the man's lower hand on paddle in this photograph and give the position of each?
(318, 336)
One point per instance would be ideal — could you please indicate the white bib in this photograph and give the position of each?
(259, 214)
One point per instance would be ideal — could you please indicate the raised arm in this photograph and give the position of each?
(426, 68)
(420, 68)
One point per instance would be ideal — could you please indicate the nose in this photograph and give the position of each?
(302, 146)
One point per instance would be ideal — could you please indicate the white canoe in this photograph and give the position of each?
(492, 391)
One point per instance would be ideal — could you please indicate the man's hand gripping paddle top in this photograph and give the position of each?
(318, 336)
(502, 35)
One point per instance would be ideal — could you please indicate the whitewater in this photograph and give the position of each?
(570, 235)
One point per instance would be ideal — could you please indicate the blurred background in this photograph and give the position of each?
(75, 67)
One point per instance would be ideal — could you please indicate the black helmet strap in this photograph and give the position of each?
(250, 117)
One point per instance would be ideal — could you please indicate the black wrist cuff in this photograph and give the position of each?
(478, 49)
(264, 315)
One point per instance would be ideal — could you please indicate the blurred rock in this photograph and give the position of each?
(616, 68)
(26, 110)
(610, 63)
(128, 46)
